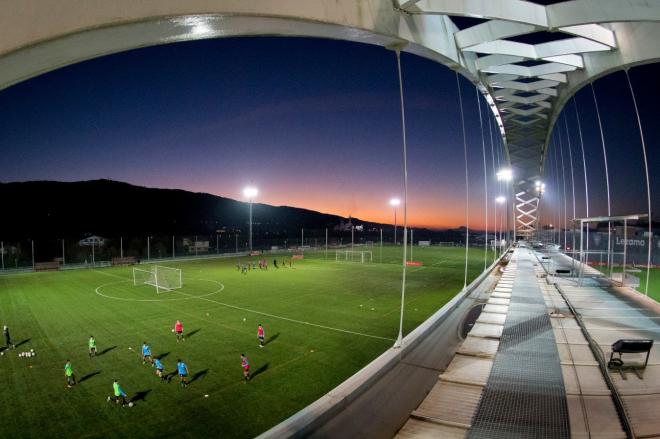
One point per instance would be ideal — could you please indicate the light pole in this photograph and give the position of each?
(506, 175)
(249, 193)
(394, 202)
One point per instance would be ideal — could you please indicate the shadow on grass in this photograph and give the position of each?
(271, 339)
(193, 332)
(89, 375)
(163, 355)
(198, 376)
(140, 396)
(106, 350)
(169, 376)
(259, 371)
(22, 342)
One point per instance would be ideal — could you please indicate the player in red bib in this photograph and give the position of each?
(178, 330)
(260, 335)
(245, 364)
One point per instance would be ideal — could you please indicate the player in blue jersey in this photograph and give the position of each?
(146, 354)
(159, 369)
(182, 368)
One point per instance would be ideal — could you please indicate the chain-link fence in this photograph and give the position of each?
(93, 250)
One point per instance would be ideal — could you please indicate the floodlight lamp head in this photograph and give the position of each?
(394, 202)
(504, 175)
(501, 199)
(540, 187)
(250, 192)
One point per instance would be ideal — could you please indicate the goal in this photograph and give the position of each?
(361, 256)
(163, 278)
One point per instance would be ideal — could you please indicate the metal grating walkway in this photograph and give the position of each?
(524, 396)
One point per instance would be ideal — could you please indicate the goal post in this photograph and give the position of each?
(361, 256)
(163, 278)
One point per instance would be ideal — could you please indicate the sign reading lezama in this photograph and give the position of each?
(414, 263)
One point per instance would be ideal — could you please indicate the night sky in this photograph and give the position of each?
(312, 123)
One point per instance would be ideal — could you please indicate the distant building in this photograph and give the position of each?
(344, 226)
(92, 241)
(195, 246)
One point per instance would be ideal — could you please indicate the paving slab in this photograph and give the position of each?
(585, 380)
(418, 429)
(465, 369)
(486, 330)
(644, 412)
(479, 347)
(498, 301)
(499, 309)
(451, 403)
(493, 318)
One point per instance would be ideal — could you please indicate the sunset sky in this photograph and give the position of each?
(312, 123)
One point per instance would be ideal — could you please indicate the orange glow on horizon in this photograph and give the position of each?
(423, 211)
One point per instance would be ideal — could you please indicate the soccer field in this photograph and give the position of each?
(324, 320)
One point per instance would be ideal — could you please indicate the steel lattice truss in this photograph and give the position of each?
(527, 83)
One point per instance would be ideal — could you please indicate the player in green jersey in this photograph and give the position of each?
(68, 372)
(92, 346)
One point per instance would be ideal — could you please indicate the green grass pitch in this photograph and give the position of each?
(324, 320)
(654, 280)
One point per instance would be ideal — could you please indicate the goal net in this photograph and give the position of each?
(361, 256)
(163, 278)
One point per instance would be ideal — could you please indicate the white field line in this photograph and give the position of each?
(300, 322)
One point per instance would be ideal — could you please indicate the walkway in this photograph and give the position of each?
(506, 380)
(610, 313)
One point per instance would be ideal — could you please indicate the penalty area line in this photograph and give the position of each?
(300, 322)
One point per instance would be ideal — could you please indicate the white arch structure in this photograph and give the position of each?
(526, 85)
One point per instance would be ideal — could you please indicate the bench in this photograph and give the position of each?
(128, 260)
(623, 346)
(46, 266)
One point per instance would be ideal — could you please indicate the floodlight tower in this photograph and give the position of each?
(250, 192)
(394, 202)
(539, 188)
(499, 200)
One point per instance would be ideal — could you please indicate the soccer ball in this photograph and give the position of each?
(244, 319)
(109, 399)
(2, 353)
(172, 329)
(130, 404)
